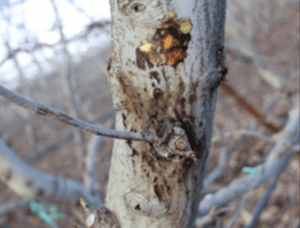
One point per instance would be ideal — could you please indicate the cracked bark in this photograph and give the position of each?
(166, 64)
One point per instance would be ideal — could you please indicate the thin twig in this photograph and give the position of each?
(69, 85)
(44, 110)
(6, 208)
(248, 132)
(244, 104)
(37, 155)
(82, 35)
(241, 185)
(210, 217)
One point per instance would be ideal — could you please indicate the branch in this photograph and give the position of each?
(244, 104)
(40, 153)
(264, 201)
(12, 206)
(44, 110)
(90, 161)
(28, 181)
(241, 185)
(210, 217)
(37, 155)
(219, 170)
(236, 214)
(37, 46)
(239, 132)
(69, 86)
(249, 50)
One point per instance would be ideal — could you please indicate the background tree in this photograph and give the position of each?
(155, 57)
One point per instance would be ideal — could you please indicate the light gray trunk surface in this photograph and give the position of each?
(167, 61)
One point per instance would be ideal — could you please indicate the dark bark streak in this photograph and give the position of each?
(187, 125)
(159, 189)
(154, 74)
(8, 174)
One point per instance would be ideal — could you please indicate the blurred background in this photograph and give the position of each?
(56, 52)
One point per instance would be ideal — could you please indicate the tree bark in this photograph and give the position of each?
(166, 64)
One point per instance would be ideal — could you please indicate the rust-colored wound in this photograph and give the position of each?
(168, 41)
(175, 56)
(173, 38)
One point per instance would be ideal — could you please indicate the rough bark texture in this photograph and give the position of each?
(167, 61)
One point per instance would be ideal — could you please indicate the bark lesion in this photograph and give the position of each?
(168, 46)
(130, 98)
(155, 75)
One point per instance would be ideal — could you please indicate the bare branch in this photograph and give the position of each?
(250, 53)
(69, 85)
(29, 126)
(210, 217)
(296, 148)
(37, 155)
(52, 147)
(6, 208)
(244, 104)
(270, 167)
(224, 157)
(105, 116)
(44, 110)
(40, 153)
(90, 161)
(236, 214)
(264, 200)
(220, 135)
(36, 46)
(40, 185)
(248, 132)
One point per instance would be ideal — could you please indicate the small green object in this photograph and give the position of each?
(253, 125)
(172, 14)
(39, 209)
(186, 27)
(233, 44)
(252, 170)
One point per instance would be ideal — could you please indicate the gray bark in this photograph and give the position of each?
(167, 62)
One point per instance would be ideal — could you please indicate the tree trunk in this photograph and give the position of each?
(167, 61)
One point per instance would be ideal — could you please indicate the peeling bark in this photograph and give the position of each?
(167, 61)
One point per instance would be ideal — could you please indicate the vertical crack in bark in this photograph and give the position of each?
(187, 125)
